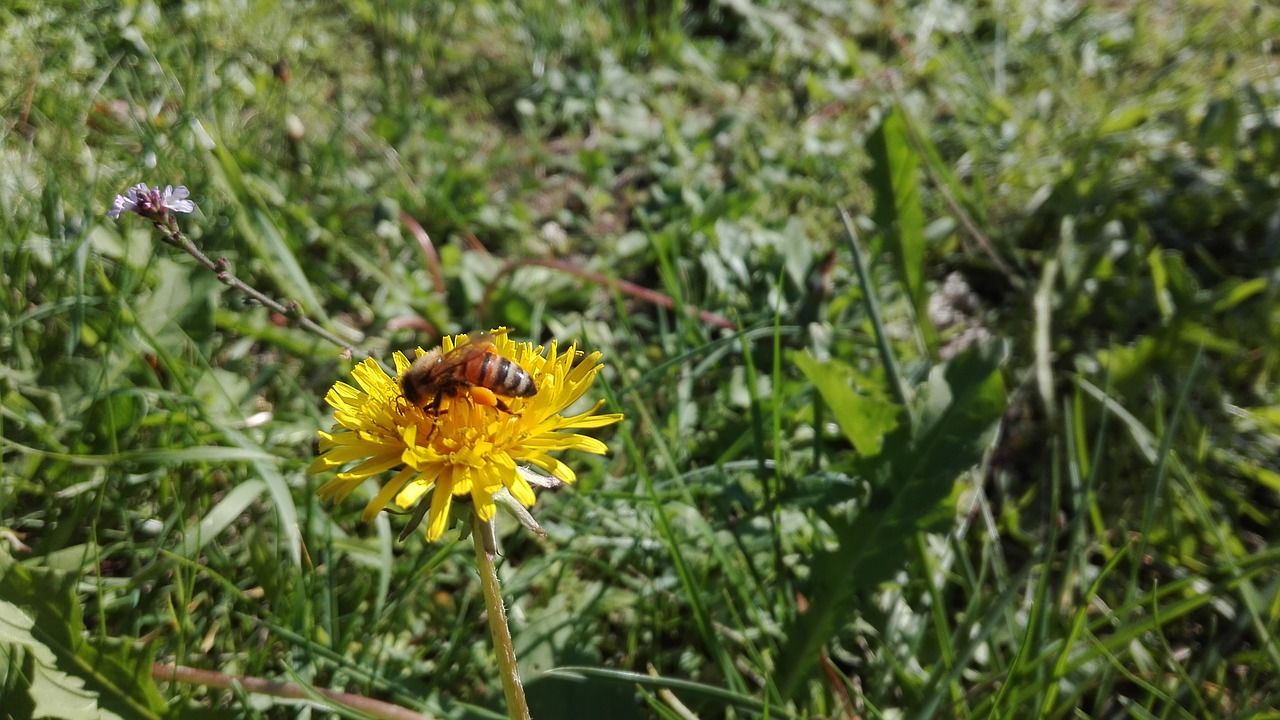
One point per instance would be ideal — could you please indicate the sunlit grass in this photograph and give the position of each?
(1100, 178)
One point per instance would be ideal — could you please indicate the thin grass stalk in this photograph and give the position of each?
(896, 382)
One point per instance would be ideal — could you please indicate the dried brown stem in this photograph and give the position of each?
(622, 286)
(210, 678)
(428, 250)
(290, 309)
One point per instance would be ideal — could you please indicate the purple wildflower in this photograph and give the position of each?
(151, 202)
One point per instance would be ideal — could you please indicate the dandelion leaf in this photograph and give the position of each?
(912, 483)
(863, 420)
(894, 179)
(64, 673)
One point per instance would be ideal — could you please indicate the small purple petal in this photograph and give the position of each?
(176, 199)
(121, 204)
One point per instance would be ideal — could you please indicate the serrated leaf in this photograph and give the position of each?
(73, 677)
(894, 178)
(912, 482)
(863, 420)
(54, 693)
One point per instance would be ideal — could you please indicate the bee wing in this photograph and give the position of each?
(461, 353)
(480, 337)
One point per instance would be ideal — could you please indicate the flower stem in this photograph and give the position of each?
(482, 534)
(174, 237)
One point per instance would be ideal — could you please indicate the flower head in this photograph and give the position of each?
(469, 447)
(151, 202)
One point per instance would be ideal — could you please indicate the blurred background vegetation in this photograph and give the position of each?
(1023, 464)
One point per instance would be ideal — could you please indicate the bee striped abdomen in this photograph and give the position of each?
(502, 376)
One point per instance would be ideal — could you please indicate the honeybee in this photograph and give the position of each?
(472, 365)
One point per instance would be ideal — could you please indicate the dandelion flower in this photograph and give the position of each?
(469, 449)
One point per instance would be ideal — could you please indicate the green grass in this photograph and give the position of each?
(1046, 491)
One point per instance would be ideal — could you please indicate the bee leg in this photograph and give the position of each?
(502, 406)
(435, 425)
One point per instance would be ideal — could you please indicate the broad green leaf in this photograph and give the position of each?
(1123, 119)
(912, 483)
(54, 693)
(1195, 334)
(863, 420)
(168, 299)
(894, 180)
(73, 677)
(1124, 362)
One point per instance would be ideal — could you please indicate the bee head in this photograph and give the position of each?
(418, 384)
(412, 390)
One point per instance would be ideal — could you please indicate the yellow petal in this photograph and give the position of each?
(521, 491)
(554, 466)
(484, 506)
(386, 493)
(439, 513)
(338, 488)
(412, 493)
(374, 466)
